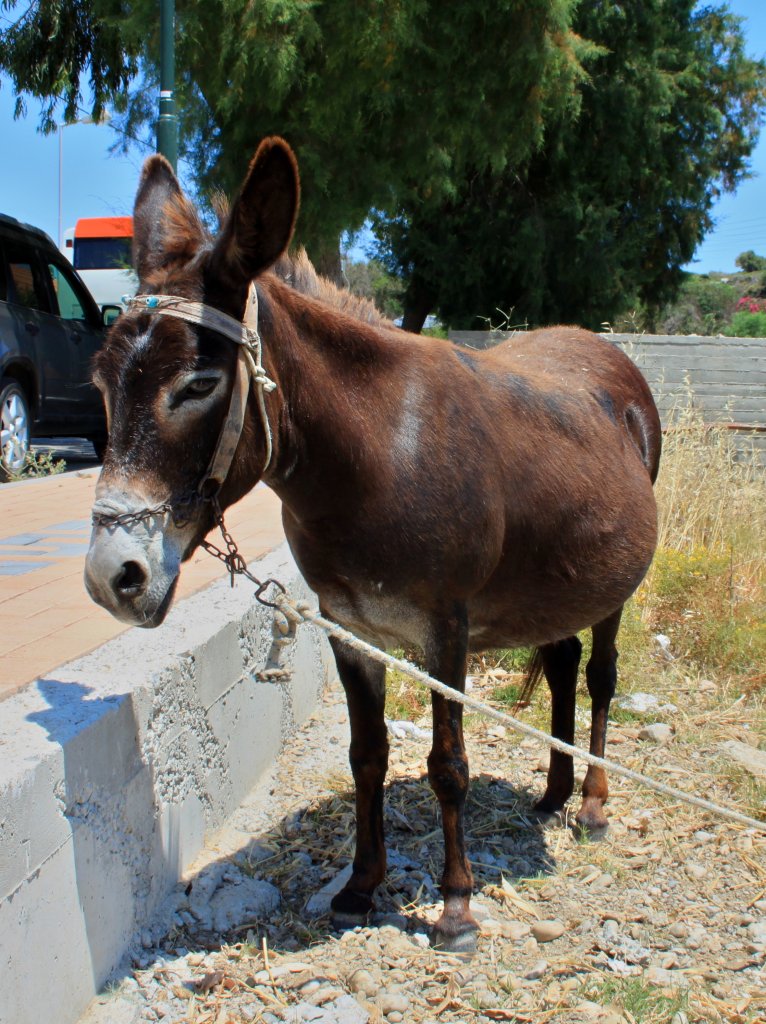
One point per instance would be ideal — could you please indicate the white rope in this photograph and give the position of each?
(303, 612)
(253, 355)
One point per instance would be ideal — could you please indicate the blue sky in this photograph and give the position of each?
(93, 183)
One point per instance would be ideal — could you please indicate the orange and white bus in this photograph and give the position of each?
(100, 250)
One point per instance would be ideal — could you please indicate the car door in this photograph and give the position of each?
(83, 334)
(40, 335)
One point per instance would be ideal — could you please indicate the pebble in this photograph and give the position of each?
(665, 978)
(393, 1000)
(695, 871)
(657, 732)
(536, 971)
(516, 930)
(547, 931)
(364, 982)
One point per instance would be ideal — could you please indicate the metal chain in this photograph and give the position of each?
(125, 518)
(233, 559)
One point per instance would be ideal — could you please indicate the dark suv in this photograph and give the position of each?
(50, 327)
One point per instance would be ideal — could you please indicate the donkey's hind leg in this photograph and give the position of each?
(446, 659)
(601, 676)
(365, 684)
(560, 663)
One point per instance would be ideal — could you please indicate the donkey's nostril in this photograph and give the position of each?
(131, 580)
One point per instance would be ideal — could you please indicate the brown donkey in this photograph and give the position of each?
(433, 497)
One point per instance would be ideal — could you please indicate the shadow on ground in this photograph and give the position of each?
(307, 850)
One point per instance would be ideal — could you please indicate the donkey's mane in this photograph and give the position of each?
(299, 273)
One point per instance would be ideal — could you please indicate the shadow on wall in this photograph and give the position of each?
(98, 887)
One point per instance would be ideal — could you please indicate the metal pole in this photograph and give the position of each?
(167, 126)
(60, 240)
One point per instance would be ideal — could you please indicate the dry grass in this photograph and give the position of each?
(706, 589)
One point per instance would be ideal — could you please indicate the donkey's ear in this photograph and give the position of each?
(165, 225)
(262, 218)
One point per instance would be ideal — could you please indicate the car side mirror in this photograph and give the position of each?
(109, 314)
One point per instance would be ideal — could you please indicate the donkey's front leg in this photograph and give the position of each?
(446, 653)
(365, 684)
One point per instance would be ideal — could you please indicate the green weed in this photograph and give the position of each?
(39, 464)
(645, 1003)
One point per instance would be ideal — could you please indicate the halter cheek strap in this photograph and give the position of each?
(249, 367)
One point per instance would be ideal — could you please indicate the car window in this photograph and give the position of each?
(27, 287)
(69, 302)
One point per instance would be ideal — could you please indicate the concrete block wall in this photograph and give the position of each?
(117, 766)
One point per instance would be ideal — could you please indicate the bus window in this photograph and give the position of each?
(102, 253)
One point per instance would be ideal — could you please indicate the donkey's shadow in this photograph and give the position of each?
(304, 853)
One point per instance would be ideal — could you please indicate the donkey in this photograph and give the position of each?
(433, 497)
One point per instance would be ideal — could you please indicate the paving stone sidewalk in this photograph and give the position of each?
(47, 617)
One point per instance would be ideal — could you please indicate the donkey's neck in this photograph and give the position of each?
(333, 373)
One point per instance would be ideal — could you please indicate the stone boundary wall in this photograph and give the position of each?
(115, 769)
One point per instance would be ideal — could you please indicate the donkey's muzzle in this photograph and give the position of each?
(131, 574)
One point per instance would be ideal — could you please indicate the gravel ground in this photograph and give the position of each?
(662, 920)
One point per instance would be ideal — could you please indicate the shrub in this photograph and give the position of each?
(704, 306)
(747, 324)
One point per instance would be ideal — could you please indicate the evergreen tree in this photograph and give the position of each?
(373, 94)
(615, 202)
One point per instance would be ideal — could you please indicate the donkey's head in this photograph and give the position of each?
(171, 383)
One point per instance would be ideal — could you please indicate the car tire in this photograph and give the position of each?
(14, 428)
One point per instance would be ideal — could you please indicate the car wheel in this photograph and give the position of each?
(14, 429)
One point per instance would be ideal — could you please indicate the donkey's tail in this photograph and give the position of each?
(533, 673)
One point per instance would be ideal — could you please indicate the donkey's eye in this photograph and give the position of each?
(199, 388)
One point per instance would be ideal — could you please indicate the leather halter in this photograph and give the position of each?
(249, 367)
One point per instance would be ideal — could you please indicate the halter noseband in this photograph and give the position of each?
(249, 367)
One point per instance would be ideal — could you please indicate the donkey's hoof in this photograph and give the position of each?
(462, 943)
(587, 834)
(548, 811)
(455, 934)
(350, 909)
(592, 825)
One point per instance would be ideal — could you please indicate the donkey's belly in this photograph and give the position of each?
(385, 620)
(533, 609)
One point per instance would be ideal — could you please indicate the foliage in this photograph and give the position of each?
(52, 45)
(750, 261)
(704, 306)
(39, 464)
(615, 202)
(747, 324)
(640, 1001)
(372, 281)
(372, 96)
